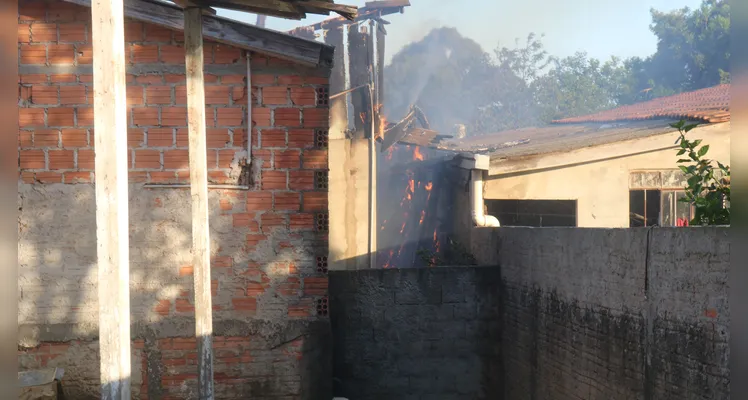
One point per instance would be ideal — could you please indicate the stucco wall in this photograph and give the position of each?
(601, 188)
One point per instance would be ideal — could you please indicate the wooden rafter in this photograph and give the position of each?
(289, 9)
(234, 33)
(372, 10)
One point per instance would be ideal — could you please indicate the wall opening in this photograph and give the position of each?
(534, 213)
(658, 208)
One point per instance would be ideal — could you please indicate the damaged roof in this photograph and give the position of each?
(372, 9)
(649, 118)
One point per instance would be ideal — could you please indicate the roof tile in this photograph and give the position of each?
(705, 105)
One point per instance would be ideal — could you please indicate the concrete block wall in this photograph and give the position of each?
(551, 313)
(269, 232)
(429, 333)
(612, 313)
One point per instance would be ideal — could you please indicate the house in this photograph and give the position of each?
(616, 168)
(267, 192)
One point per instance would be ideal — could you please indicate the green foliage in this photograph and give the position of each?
(454, 254)
(456, 82)
(708, 187)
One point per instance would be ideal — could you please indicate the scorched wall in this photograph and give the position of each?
(269, 232)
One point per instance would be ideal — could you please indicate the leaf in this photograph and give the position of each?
(682, 160)
(678, 125)
(692, 181)
(689, 127)
(681, 152)
(703, 150)
(683, 168)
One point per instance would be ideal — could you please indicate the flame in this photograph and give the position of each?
(390, 151)
(437, 247)
(428, 186)
(417, 156)
(411, 185)
(382, 121)
(403, 228)
(423, 216)
(362, 116)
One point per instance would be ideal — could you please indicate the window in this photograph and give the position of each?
(658, 208)
(534, 213)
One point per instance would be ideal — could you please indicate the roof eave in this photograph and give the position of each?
(223, 30)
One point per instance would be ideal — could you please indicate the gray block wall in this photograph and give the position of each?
(416, 333)
(612, 313)
(552, 313)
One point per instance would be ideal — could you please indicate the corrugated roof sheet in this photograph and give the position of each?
(706, 105)
(560, 138)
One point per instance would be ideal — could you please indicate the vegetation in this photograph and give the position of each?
(708, 188)
(455, 82)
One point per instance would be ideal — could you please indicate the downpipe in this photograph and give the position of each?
(480, 219)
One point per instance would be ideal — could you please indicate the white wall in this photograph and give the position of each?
(601, 184)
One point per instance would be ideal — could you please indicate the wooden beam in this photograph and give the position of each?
(112, 222)
(283, 10)
(223, 30)
(196, 3)
(193, 45)
(324, 7)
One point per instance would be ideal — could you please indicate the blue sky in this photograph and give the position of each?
(602, 28)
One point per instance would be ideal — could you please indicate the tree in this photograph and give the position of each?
(455, 82)
(437, 73)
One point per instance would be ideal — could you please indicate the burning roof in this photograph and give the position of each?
(406, 131)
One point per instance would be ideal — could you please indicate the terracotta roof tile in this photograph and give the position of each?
(705, 105)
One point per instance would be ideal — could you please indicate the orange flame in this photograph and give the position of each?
(411, 185)
(417, 154)
(403, 228)
(363, 117)
(428, 186)
(423, 216)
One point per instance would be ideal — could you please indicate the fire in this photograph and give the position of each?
(423, 216)
(403, 228)
(362, 116)
(382, 121)
(428, 186)
(436, 243)
(417, 154)
(390, 151)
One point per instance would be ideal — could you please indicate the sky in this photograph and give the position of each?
(602, 28)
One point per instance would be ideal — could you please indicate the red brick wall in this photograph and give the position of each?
(56, 146)
(56, 116)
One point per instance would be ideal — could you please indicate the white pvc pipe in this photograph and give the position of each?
(480, 219)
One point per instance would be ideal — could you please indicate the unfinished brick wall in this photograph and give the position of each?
(268, 231)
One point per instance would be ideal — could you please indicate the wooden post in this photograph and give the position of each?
(193, 44)
(112, 222)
